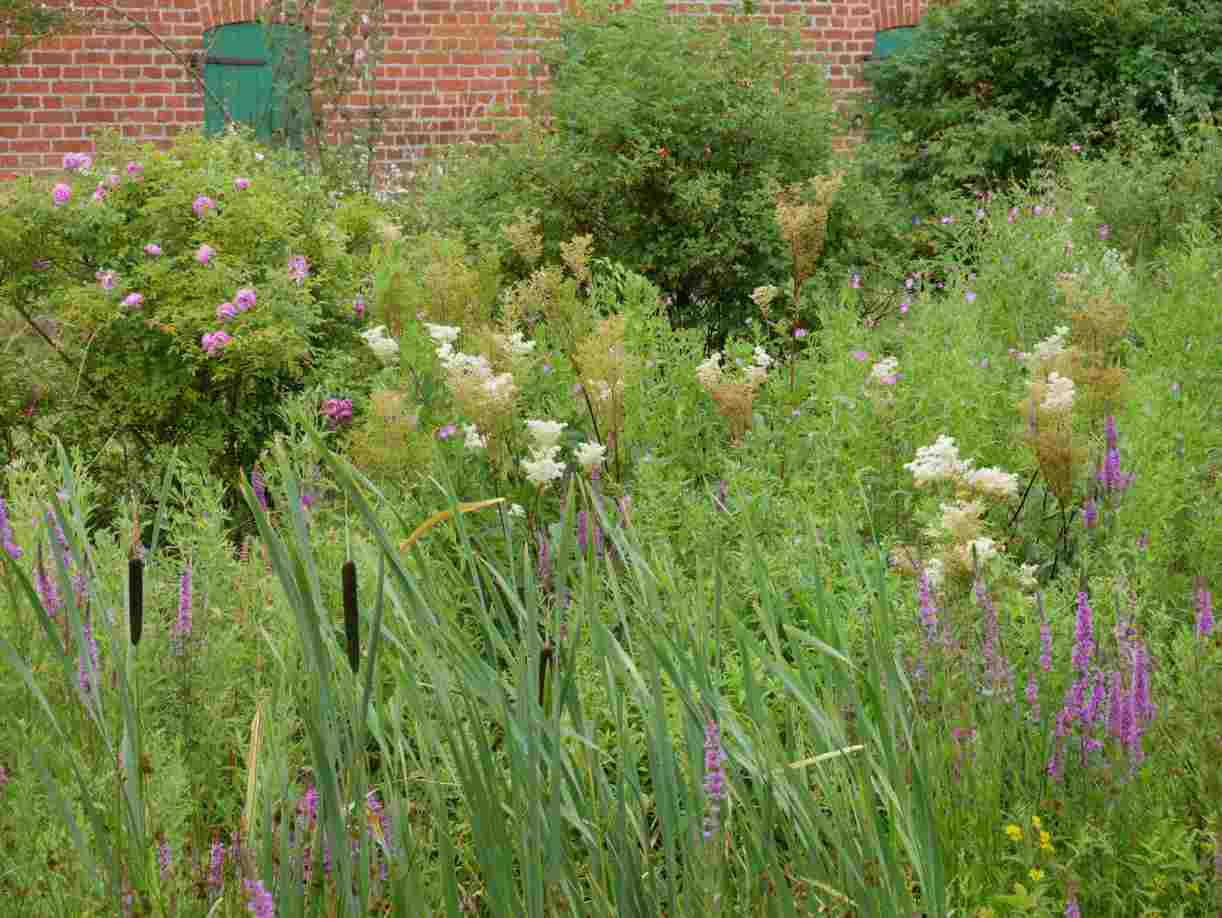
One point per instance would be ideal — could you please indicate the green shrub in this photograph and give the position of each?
(130, 292)
(988, 83)
(665, 140)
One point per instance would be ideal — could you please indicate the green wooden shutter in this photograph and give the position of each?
(258, 73)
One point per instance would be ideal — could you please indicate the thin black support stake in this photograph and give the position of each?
(135, 598)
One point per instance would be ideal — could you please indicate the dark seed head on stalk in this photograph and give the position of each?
(351, 620)
(135, 595)
(545, 659)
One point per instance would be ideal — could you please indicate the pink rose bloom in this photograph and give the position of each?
(241, 184)
(135, 171)
(226, 311)
(245, 299)
(204, 254)
(132, 300)
(152, 250)
(61, 194)
(214, 341)
(202, 205)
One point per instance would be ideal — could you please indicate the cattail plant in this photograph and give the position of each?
(351, 614)
(135, 598)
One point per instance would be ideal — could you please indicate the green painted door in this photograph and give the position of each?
(258, 73)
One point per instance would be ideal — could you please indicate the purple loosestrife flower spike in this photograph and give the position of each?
(1115, 706)
(1143, 709)
(11, 548)
(1084, 636)
(87, 664)
(165, 859)
(1090, 514)
(216, 869)
(47, 589)
(1033, 696)
(1205, 611)
(182, 627)
(714, 777)
(260, 903)
(1045, 641)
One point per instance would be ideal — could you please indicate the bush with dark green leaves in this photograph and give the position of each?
(664, 138)
(988, 85)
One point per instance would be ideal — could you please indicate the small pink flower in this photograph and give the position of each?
(855, 281)
(214, 341)
(225, 312)
(446, 432)
(860, 356)
(1012, 216)
(135, 171)
(1037, 210)
(99, 193)
(152, 250)
(1076, 147)
(203, 205)
(106, 279)
(358, 307)
(904, 306)
(947, 221)
(133, 300)
(1105, 232)
(241, 184)
(908, 282)
(113, 180)
(204, 253)
(77, 162)
(245, 299)
(61, 194)
(800, 332)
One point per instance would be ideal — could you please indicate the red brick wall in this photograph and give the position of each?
(448, 66)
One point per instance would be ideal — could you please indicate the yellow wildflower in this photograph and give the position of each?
(1036, 874)
(1045, 841)
(1015, 833)
(1035, 821)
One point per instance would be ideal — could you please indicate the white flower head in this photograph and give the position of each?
(939, 462)
(546, 434)
(590, 454)
(442, 334)
(885, 371)
(542, 468)
(1059, 395)
(993, 482)
(986, 550)
(1026, 576)
(517, 510)
(1050, 347)
(762, 296)
(935, 572)
(386, 349)
(515, 345)
(500, 388)
(474, 439)
(761, 358)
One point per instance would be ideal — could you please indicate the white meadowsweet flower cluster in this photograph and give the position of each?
(542, 468)
(515, 345)
(589, 455)
(985, 550)
(442, 334)
(936, 463)
(935, 572)
(992, 482)
(385, 348)
(474, 440)
(962, 519)
(1059, 395)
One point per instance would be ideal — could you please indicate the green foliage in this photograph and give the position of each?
(138, 369)
(666, 140)
(987, 85)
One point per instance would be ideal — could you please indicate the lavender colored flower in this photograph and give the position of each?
(182, 626)
(133, 300)
(241, 184)
(1115, 706)
(1084, 636)
(204, 253)
(1143, 541)
(1032, 695)
(77, 162)
(87, 663)
(99, 193)
(203, 205)
(11, 548)
(214, 341)
(447, 431)
(225, 312)
(800, 333)
(1205, 611)
(1056, 764)
(299, 268)
(152, 250)
(165, 859)
(216, 869)
(245, 299)
(905, 305)
(259, 486)
(48, 591)
(970, 296)
(929, 609)
(1090, 514)
(106, 279)
(1143, 708)
(358, 307)
(1105, 232)
(1071, 908)
(260, 904)
(714, 778)
(1045, 645)
(338, 412)
(135, 171)
(996, 668)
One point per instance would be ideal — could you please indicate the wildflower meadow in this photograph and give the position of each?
(368, 555)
